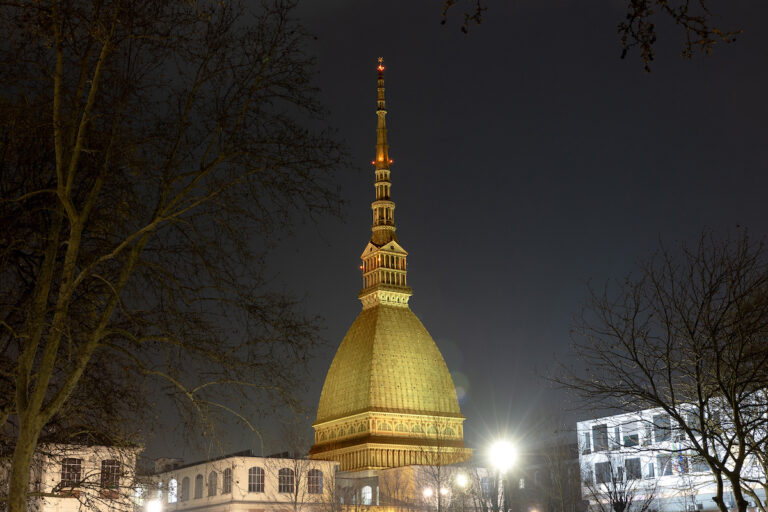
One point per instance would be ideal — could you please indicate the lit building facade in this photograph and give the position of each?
(70, 478)
(245, 483)
(648, 454)
(388, 399)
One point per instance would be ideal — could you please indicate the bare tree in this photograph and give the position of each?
(149, 150)
(687, 336)
(611, 490)
(638, 29)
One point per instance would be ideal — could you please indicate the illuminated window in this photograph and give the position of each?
(285, 480)
(71, 472)
(366, 495)
(256, 480)
(400, 428)
(213, 481)
(417, 429)
(385, 426)
(226, 481)
(198, 487)
(110, 474)
(173, 489)
(315, 481)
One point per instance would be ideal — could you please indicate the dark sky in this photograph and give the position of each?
(529, 160)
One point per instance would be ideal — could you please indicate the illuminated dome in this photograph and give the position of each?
(388, 399)
(387, 362)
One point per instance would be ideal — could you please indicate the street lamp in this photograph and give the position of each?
(461, 480)
(502, 455)
(154, 506)
(427, 492)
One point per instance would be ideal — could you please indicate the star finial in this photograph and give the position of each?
(381, 64)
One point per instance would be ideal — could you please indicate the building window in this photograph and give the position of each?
(586, 447)
(600, 437)
(366, 495)
(71, 472)
(631, 437)
(651, 470)
(315, 481)
(698, 464)
(198, 487)
(602, 472)
(185, 489)
(226, 481)
(661, 428)
(285, 480)
(255, 480)
(110, 474)
(616, 438)
(633, 469)
(521, 483)
(173, 489)
(213, 480)
(664, 463)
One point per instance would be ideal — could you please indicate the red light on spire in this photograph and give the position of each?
(381, 64)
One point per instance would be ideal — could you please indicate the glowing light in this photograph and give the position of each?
(443, 491)
(427, 492)
(502, 455)
(381, 159)
(461, 480)
(154, 506)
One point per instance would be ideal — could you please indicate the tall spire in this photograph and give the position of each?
(384, 260)
(383, 207)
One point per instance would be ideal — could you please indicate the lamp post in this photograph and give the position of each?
(502, 456)
(461, 482)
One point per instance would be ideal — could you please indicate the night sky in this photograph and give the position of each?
(529, 161)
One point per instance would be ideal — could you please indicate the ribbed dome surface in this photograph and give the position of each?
(387, 362)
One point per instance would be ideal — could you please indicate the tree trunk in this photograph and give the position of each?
(18, 486)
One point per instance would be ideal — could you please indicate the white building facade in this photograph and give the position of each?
(70, 478)
(649, 457)
(246, 483)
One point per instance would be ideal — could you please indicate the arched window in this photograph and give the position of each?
(385, 426)
(255, 480)
(226, 481)
(366, 495)
(213, 480)
(173, 490)
(417, 429)
(198, 487)
(185, 489)
(431, 430)
(71, 472)
(285, 480)
(400, 428)
(448, 431)
(315, 481)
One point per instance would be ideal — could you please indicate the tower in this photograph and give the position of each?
(388, 399)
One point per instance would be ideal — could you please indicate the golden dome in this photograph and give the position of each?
(388, 362)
